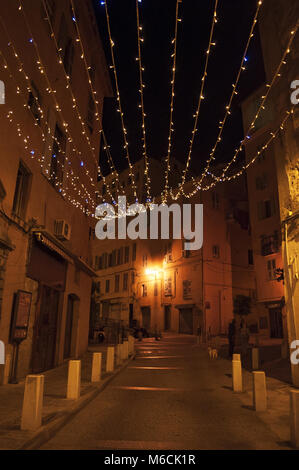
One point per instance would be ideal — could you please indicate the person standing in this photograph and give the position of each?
(244, 334)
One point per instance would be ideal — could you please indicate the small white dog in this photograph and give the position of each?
(213, 353)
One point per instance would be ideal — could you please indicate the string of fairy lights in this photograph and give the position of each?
(94, 95)
(86, 199)
(171, 123)
(119, 105)
(228, 107)
(261, 107)
(40, 158)
(201, 98)
(51, 91)
(140, 40)
(29, 89)
(273, 136)
(75, 106)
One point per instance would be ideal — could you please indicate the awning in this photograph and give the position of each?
(56, 246)
(42, 238)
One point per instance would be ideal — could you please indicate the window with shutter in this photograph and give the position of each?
(187, 289)
(21, 191)
(168, 287)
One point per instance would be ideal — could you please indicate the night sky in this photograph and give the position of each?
(158, 19)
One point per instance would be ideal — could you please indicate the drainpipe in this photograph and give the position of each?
(291, 315)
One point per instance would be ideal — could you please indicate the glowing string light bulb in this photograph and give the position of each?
(143, 115)
(264, 98)
(171, 124)
(228, 107)
(113, 66)
(201, 98)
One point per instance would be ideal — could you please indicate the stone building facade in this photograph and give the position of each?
(48, 159)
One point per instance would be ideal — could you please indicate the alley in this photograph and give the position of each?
(170, 397)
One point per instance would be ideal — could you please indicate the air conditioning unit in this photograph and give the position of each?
(62, 230)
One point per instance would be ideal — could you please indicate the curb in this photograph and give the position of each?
(48, 431)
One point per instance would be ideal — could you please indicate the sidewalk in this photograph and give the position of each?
(57, 409)
(278, 381)
(271, 361)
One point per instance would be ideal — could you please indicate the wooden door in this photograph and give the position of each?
(68, 327)
(186, 321)
(44, 342)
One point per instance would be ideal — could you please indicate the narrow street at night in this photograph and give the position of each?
(149, 229)
(170, 397)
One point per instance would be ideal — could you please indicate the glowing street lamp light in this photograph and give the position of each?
(153, 272)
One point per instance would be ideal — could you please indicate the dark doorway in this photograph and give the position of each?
(45, 330)
(146, 317)
(68, 327)
(131, 315)
(186, 321)
(276, 328)
(167, 317)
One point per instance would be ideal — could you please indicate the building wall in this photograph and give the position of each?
(279, 161)
(163, 271)
(44, 202)
(275, 26)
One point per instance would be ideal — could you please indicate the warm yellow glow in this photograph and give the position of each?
(154, 272)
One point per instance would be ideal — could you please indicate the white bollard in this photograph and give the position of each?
(237, 357)
(7, 368)
(33, 403)
(259, 391)
(74, 380)
(255, 358)
(96, 370)
(110, 359)
(126, 350)
(237, 376)
(294, 417)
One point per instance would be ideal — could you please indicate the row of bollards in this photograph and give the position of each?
(258, 383)
(34, 386)
(259, 389)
